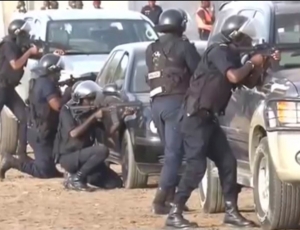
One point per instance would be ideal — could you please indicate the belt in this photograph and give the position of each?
(204, 113)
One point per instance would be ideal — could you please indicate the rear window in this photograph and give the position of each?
(98, 36)
(287, 29)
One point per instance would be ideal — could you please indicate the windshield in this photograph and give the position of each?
(97, 36)
(138, 82)
(288, 31)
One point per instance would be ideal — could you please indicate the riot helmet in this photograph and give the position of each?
(172, 21)
(50, 64)
(239, 30)
(86, 90)
(18, 27)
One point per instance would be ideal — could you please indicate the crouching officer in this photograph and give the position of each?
(218, 73)
(171, 60)
(74, 144)
(12, 62)
(45, 101)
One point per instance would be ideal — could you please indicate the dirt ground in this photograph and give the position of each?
(32, 204)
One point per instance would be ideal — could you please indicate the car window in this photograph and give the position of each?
(120, 73)
(138, 81)
(287, 30)
(107, 74)
(98, 36)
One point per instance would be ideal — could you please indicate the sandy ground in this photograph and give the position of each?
(33, 204)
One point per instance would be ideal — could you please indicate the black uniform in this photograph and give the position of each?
(10, 50)
(152, 13)
(42, 120)
(207, 99)
(80, 156)
(171, 60)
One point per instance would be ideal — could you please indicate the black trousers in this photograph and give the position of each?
(10, 98)
(43, 165)
(86, 160)
(203, 137)
(165, 114)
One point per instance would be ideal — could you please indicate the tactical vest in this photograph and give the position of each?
(38, 113)
(209, 89)
(168, 74)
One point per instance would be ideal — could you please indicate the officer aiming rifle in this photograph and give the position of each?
(72, 80)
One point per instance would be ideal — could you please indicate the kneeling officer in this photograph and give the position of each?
(219, 72)
(171, 61)
(45, 101)
(74, 143)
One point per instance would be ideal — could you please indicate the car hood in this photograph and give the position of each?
(80, 64)
(289, 81)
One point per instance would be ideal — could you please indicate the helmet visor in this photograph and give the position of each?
(25, 28)
(58, 66)
(250, 28)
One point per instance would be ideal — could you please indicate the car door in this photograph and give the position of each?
(111, 73)
(234, 120)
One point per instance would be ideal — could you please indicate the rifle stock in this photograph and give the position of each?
(72, 80)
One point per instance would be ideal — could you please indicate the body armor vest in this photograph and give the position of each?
(168, 73)
(40, 116)
(209, 89)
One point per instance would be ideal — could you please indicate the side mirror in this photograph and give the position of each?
(111, 90)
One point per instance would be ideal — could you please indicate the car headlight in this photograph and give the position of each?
(288, 113)
(152, 127)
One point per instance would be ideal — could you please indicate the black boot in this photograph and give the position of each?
(176, 220)
(234, 218)
(77, 183)
(159, 206)
(170, 199)
(8, 162)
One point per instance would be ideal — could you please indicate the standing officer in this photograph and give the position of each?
(45, 101)
(152, 11)
(21, 7)
(218, 73)
(205, 19)
(74, 143)
(171, 60)
(12, 61)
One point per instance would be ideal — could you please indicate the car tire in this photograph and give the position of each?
(211, 196)
(277, 204)
(9, 132)
(132, 177)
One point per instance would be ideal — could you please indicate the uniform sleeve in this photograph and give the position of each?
(9, 52)
(220, 58)
(191, 56)
(49, 91)
(67, 121)
(149, 56)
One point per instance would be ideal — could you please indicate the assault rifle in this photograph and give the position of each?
(72, 80)
(43, 46)
(114, 112)
(267, 49)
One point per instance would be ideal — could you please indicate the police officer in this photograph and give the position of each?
(74, 144)
(218, 73)
(21, 7)
(152, 11)
(171, 60)
(12, 61)
(45, 101)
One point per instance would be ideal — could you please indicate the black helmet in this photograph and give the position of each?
(86, 89)
(237, 27)
(172, 20)
(49, 63)
(17, 26)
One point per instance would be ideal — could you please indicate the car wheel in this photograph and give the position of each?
(9, 132)
(210, 190)
(277, 204)
(132, 177)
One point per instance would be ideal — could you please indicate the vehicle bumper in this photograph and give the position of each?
(284, 147)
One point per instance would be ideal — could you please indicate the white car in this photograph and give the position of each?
(88, 35)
